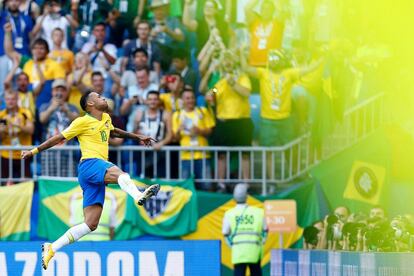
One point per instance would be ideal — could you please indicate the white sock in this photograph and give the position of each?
(73, 234)
(127, 185)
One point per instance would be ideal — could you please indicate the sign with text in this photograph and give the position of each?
(114, 258)
(280, 215)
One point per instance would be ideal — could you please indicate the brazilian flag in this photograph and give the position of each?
(171, 214)
(357, 177)
(15, 207)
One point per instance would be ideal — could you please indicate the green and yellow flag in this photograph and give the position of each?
(171, 214)
(15, 207)
(365, 182)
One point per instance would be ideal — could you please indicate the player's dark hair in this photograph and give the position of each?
(42, 42)
(153, 92)
(144, 22)
(101, 23)
(141, 68)
(84, 100)
(140, 50)
(96, 73)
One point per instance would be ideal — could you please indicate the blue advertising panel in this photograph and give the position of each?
(324, 262)
(178, 258)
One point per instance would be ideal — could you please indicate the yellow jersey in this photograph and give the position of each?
(64, 57)
(275, 92)
(75, 94)
(13, 136)
(201, 118)
(230, 104)
(51, 70)
(93, 135)
(171, 103)
(26, 101)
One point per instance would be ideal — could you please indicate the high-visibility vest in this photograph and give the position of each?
(102, 232)
(246, 226)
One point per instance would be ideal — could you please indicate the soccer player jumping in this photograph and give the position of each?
(94, 171)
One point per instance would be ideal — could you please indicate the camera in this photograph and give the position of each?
(170, 79)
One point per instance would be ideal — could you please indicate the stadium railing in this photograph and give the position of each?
(268, 165)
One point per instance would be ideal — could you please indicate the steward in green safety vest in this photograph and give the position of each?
(105, 230)
(245, 230)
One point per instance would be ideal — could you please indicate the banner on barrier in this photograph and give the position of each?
(172, 213)
(178, 258)
(15, 202)
(325, 263)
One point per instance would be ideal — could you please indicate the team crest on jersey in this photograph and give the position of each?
(156, 205)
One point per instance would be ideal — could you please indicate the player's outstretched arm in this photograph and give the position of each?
(145, 140)
(52, 141)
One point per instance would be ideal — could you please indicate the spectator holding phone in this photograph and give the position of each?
(55, 117)
(173, 85)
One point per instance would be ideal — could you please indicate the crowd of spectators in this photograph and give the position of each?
(180, 71)
(373, 232)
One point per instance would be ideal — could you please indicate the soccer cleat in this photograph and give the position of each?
(47, 254)
(149, 192)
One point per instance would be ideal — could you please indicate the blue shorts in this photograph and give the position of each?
(91, 176)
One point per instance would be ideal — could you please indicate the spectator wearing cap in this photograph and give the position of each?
(276, 126)
(102, 56)
(16, 129)
(166, 31)
(180, 65)
(129, 77)
(54, 17)
(21, 27)
(55, 116)
(144, 42)
(245, 230)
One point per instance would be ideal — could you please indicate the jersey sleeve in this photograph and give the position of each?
(175, 122)
(58, 71)
(209, 119)
(260, 72)
(293, 74)
(74, 129)
(245, 81)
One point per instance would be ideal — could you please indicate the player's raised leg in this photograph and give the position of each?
(116, 175)
(92, 214)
